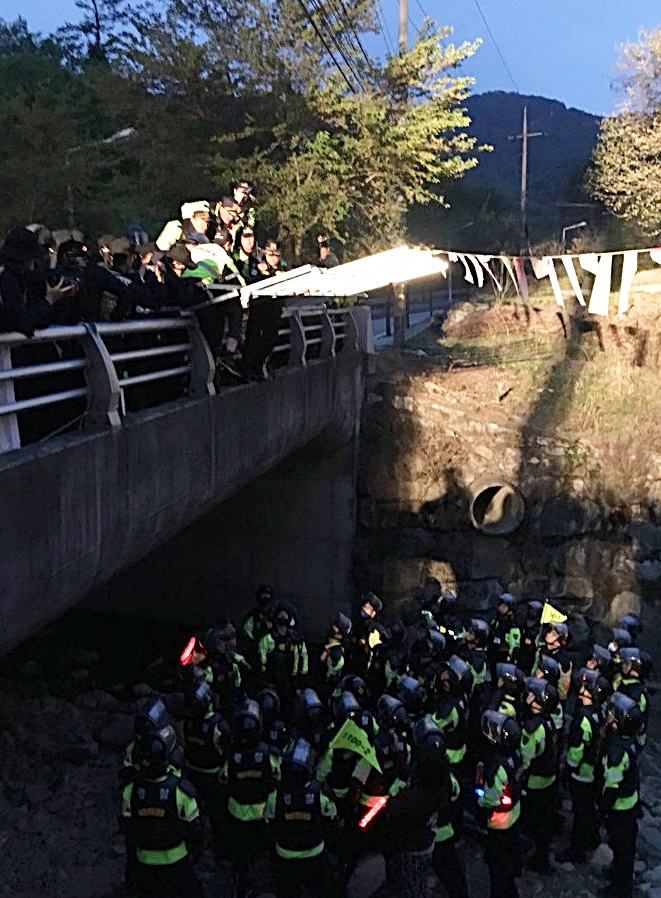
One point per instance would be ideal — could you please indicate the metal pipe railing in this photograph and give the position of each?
(104, 374)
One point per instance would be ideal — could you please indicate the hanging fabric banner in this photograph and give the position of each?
(484, 262)
(655, 255)
(540, 267)
(602, 286)
(629, 269)
(468, 274)
(589, 262)
(555, 284)
(568, 262)
(478, 270)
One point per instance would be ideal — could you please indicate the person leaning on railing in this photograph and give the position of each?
(26, 296)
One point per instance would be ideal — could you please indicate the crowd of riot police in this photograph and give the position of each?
(457, 725)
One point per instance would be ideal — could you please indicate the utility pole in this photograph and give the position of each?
(399, 317)
(525, 134)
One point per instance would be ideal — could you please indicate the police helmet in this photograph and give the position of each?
(370, 598)
(501, 730)
(437, 642)
(458, 672)
(411, 693)
(137, 235)
(602, 660)
(308, 705)
(479, 631)
(508, 600)
(152, 716)
(269, 703)
(71, 254)
(391, 713)
(549, 669)
(560, 629)
(198, 697)
(621, 640)
(427, 731)
(595, 684)
(342, 624)
(298, 762)
(543, 693)
(632, 660)
(534, 611)
(449, 598)
(283, 617)
(153, 751)
(264, 595)
(513, 679)
(633, 624)
(354, 684)
(345, 706)
(247, 721)
(624, 714)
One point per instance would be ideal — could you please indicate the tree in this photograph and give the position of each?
(626, 164)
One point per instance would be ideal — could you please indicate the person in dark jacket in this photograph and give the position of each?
(26, 299)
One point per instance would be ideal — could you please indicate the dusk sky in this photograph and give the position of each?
(565, 49)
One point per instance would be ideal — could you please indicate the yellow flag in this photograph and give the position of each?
(352, 738)
(551, 615)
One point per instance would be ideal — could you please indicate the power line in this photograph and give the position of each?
(351, 25)
(493, 39)
(385, 32)
(325, 45)
(332, 32)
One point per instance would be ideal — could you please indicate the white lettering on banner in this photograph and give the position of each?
(568, 262)
(629, 269)
(602, 286)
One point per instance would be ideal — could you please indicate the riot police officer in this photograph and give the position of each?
(160, 820)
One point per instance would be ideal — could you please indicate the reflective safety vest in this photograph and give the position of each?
(444, 825)
(498, 790)
(203, 742)
(299, 829)
(391, 755)
(250, 779)
(584, 744)
(539, 748)
(621, 781)
(450, 716)
(156, 814)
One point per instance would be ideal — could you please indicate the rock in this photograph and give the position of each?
(37, 793)
(601, 857)
(141, 690)
(649, 841)
(560, 517)
(368, 877)
(116, 731)
(645, 539)
(480, 595)
(625, 602)
(97, 700)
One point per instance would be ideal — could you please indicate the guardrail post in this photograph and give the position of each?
(102, 381)
(9, 435)
(202, 365)
(297, 341)
(327, 348)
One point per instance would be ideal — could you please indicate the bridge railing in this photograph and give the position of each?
(93, 375)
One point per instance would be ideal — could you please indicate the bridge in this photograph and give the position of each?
(115, 442)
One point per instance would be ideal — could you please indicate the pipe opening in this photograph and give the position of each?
(496, 506)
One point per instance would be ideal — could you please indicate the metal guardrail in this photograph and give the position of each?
(94, 375)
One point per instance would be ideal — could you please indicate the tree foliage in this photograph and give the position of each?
(626, 166)
(278, 91)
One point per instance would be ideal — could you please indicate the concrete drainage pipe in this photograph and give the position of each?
(496, 507)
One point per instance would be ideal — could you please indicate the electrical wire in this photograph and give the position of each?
(493, 39)
(351, 25)
(317, 6)
(385, 32)
(325, 45)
